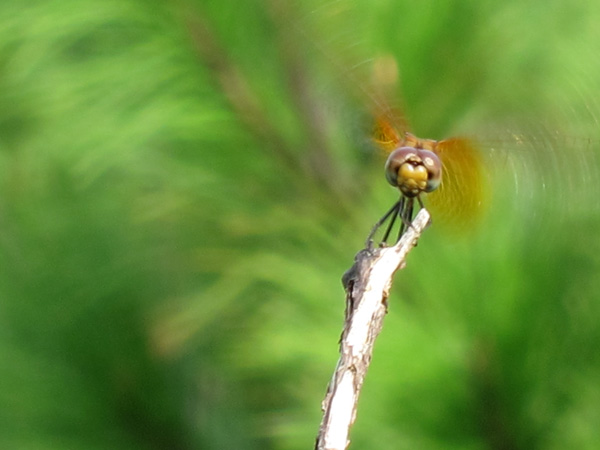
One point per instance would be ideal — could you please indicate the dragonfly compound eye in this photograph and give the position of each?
(432, 163)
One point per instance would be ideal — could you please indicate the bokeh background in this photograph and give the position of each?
(182, 185)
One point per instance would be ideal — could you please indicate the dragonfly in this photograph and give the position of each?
(447, 173)
(538, 162)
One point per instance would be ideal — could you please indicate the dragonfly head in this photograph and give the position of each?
(413, 170)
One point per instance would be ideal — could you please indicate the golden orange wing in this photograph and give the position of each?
(390, 123)
(458, 202)
(386, 135)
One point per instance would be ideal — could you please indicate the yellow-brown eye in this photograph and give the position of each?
(413, 171)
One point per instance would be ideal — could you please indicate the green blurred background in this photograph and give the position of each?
(182, 185)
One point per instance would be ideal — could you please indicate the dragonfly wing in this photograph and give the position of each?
(390, 123)
(386, 135)
(459, 200)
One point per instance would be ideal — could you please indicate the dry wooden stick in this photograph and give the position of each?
(367, 285)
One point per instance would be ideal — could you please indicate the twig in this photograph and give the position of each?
(367, 285)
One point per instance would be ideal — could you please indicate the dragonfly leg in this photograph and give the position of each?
(398, 213)
(402, 209)
(395, 209)
(406, 216)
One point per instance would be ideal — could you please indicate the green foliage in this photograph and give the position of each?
(182, 186)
